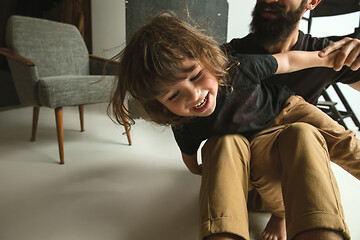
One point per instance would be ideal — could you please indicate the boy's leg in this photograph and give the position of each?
(343, 146)
(294, 158)
(224, 187)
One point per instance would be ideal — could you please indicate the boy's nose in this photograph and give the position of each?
(193, 93)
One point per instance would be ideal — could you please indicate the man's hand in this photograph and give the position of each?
(348, 54)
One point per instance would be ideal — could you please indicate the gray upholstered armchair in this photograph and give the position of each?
(51, 67)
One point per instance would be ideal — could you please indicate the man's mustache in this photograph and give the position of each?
(276, 7)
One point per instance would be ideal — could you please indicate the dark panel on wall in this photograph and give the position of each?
(8, 96)
(208, 14)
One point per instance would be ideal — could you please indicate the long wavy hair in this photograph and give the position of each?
(151, 60)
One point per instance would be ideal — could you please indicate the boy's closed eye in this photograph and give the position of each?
(172, 97)
(197, 76)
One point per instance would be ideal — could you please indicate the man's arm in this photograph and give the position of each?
(191, 163)
(349, 53)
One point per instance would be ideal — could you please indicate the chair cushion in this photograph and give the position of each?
(71, 90)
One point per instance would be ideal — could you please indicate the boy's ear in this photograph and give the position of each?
(312, 4)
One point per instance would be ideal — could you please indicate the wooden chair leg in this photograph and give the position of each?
(36, 111)
(60, 132)
(81, 113)
(127, 129)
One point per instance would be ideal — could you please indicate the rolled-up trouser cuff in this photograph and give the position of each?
(224, 225)
(318, 220)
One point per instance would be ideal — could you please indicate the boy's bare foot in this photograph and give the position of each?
(275, 229)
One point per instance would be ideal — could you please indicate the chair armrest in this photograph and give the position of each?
(102, 66)
(7, 52)
(24, 74)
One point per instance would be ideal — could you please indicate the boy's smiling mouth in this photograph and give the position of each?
(202, 105)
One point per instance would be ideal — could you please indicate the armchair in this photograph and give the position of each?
(51, 67)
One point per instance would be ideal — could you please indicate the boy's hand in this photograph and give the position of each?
(192, 164)
(348, 54)
(196, 170)
(330, 59)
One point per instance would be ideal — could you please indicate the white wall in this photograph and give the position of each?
(108, 27)
(336, 25)
(239, 18)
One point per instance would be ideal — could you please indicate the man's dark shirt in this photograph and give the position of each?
(246, 106)
(308, 83)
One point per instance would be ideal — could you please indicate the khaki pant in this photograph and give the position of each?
(290, 168)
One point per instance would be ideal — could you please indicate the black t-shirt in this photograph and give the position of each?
(247, 106)
(307, 83)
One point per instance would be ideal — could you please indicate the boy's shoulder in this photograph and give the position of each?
(255, 67)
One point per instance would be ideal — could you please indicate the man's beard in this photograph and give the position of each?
(270, 31)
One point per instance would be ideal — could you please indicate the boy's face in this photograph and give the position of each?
(195, 95)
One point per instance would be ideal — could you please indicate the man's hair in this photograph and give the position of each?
(152, 59)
